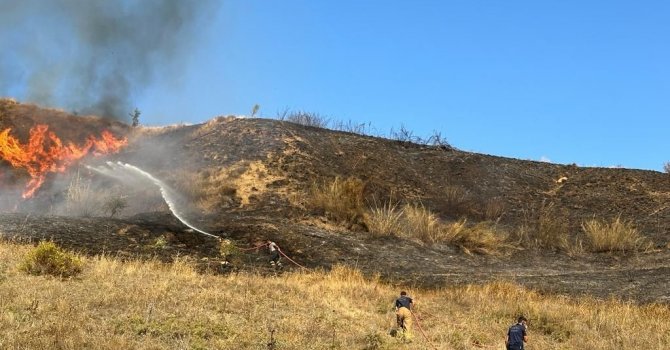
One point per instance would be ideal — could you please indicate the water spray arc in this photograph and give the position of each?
(126, 172)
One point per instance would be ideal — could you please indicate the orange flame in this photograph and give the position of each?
(45, 153)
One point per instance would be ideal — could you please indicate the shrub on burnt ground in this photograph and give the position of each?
(341, 199)
(385, 219)
(545, 226)
(114, 205)
(420, 222)
(304, 118)
(458, 202)
(493, 209)
(617, 235)
(415, 221)
(49, 259)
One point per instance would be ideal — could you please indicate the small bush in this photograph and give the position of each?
(436, 139)
(404, 135)
(230, 252)
(385, 220)
(352, 127)
(114, 205)
(666, 167)
(306, 119)
(494, 209)
(415, 221)
(81, 198)
(374, 341)
(484, 237)
(48, 259)
(545, 226)
(341, 200)
(455, 231)
(617, 235)
(421, 223)
(160, 243)
(458, 201)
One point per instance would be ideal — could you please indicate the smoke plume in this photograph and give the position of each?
(95, 56)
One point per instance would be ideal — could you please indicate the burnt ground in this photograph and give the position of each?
(256, 174)
(641, 277)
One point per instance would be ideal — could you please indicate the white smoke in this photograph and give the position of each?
(135, 177)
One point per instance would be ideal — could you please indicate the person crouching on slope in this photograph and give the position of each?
(274, 254)
(403, 312)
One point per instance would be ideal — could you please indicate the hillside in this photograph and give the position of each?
(252, 179)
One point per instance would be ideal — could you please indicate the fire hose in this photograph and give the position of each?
(418, 325)
(280, 252)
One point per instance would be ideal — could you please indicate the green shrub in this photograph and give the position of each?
(230, 252)
(48, 259)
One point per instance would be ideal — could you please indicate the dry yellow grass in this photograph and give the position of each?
(458, 200)
(149, 305)
(421, 223)
(384, 220)
(616, 235)
(546, 226)
(415, 221)
(341, 199)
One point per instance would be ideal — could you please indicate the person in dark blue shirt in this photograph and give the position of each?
(403, 310)
(516, 335)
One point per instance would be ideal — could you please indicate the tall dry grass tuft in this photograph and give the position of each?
(458, 201)
(546, 226)
(385, 220)
(415, 221)
(494, 209)
(615, 236)
(421, 223)
(81, 198)
(341, 199)
(485, 237)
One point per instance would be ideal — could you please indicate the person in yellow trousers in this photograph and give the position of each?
(403, 312)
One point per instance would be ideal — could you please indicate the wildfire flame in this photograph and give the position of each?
(46, 153)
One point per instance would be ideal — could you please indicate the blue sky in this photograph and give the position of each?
(583, 82)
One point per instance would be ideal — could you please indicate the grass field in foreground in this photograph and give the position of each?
(149, 305)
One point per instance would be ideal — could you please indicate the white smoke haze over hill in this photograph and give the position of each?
(135, 177)
(96, 55)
